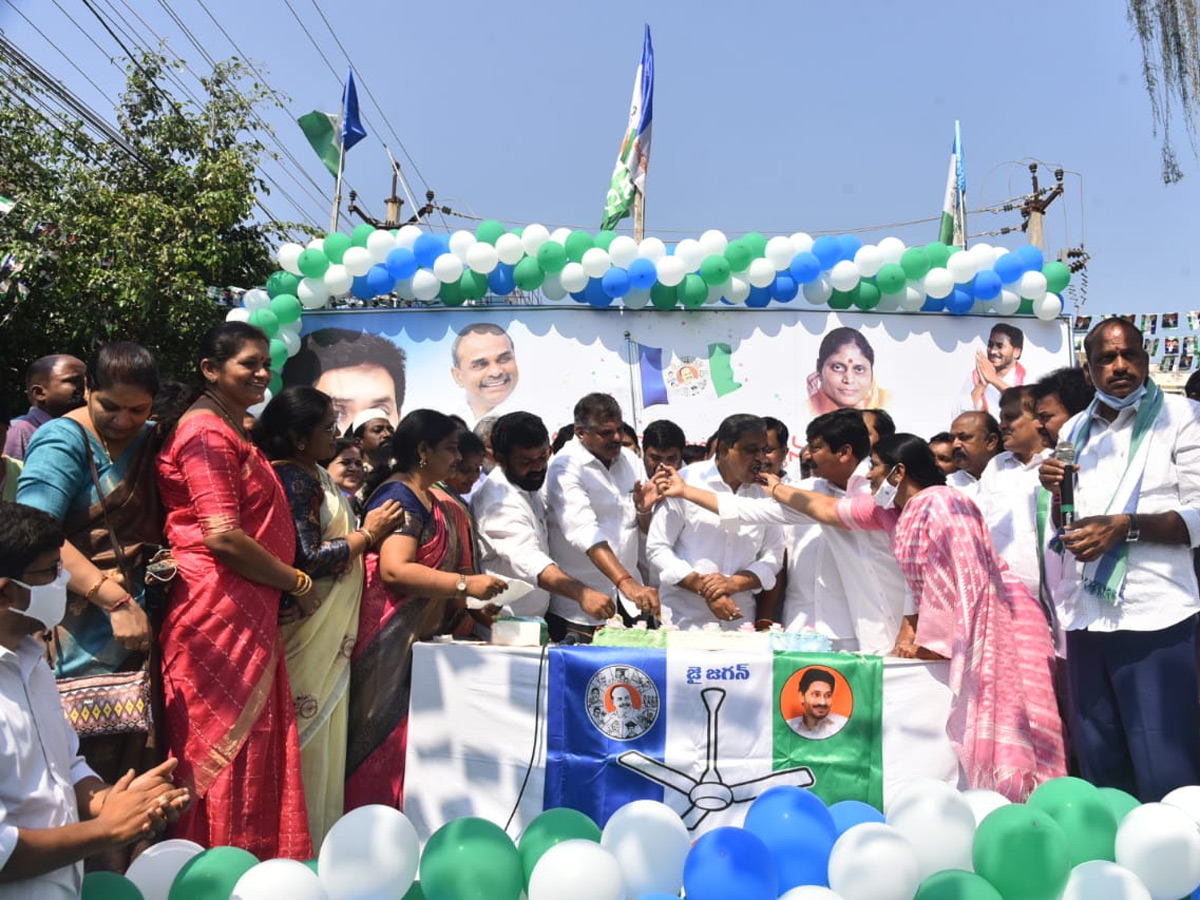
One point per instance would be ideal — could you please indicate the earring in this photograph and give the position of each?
(300, 446)
(423, 463)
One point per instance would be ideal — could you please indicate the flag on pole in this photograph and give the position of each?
(629, 174)
(6, 206)
(953, 230)
(330, 134)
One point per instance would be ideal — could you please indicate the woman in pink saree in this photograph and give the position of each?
(1004, 723)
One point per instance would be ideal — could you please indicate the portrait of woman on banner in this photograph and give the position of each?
(845, 374)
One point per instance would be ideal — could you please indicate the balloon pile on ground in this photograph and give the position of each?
(1069, 841)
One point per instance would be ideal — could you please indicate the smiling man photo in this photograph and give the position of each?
(485, 367)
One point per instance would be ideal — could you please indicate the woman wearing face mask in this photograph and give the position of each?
(969, 608)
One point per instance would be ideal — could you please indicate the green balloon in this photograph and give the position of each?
(451, 293)
(276, 384)
(844, 299)
(528, 275)
(715, 270)
(313, 263)
(1121, 803)
(938, 253)
(1026, 308)
(489, 231)
(869, 295)
(551, 257)
(312, 864)
(109, 886)
(915, 263)
(1084, 815)
(954, 884)
(278, 350)
(287, 308)
(336, 246)
(415, 892)
(474, 285)
(692, 291)
(578, 243)
(663, 296)
(756, 243)
(738, 254)
(265, 321)
(1058, 276)
(604, 237)
(282, 282)
(358, 237)
(891, 278)
(1023, 852)
(211, 874)
(553, 827)
(470, 859)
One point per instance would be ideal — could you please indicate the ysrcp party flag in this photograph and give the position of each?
(953, 227)
(706, 733)
(633, 159)
(684, 377)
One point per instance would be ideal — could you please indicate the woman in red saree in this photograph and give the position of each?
(417, 584)
(229, 714)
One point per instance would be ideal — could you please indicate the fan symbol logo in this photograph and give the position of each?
(622, 702)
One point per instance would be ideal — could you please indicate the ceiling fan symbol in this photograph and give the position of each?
(709, 792)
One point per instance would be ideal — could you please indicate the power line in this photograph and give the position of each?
(61, 53)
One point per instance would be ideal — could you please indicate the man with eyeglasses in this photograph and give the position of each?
(596, 501)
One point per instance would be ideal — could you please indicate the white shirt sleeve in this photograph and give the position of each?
(507, 530)
(665, 528)
(734, 511)
(769, 560)
(567, 501)
(1187, 464)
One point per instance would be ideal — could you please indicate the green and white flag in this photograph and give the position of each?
(953, 230)
(633, 159)
(331, 135)
(6, 206)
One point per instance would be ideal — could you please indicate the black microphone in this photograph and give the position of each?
(1064, 451)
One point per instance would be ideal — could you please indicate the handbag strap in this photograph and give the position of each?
(112, 535)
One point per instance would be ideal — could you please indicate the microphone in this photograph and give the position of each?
(1064, 452)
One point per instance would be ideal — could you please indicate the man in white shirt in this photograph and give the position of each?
(818, 720)
(1008, 487)
(54, 810)
(976, 440)
(1123, 585)
(996, 370)
(663, 443)
(596, 500)
(706, 573)
(510, 520)
(1058, 396)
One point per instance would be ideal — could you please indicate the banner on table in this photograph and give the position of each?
(684, 727)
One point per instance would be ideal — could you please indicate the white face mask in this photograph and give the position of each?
(885, 496)
(47, 602)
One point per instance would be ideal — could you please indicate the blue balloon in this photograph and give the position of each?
(579, 296)
(1031, 257)
(670, 249)
(500, 279)
(616, 282)
(380, 280)
(784, 288)
(1009, 267)
(960, 302)
(850, 245)
(805, 267)
(933, 305)
(828, 251)
(730, 864)
(360, 288)
(426, 248)
(401, 263)
(849, 813)
(594, 293)
(986, 285)
(799, 831)
(657, 896)
(760, 298)
(643, 273)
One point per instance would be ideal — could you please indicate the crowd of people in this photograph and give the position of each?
(296, 557)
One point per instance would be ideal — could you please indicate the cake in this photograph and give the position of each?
(712, 637)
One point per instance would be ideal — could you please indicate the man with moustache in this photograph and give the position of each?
(707, 574)
(510, 521)
(55, 387)
(996, 369)
(1063, 393)
(977, 439)
(818, 721)
(485, 367)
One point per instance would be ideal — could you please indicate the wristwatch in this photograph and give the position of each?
(1132, 535)
(461, 585)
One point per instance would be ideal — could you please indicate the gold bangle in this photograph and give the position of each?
(774, 488)
(95, 588)
(366, 532)
(303, 584)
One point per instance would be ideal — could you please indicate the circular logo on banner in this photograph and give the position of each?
(688, 376)
(622, 702)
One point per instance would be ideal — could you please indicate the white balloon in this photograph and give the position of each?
(533, 237)
(380, 243)
(811, 891)
(801, 242)
(1049, 308)
(738, 290)
(690, 252)
(560, 235)
(596, 262)
(577, 870)
(573, 277)
(939, 283)
(370, 852)
(651, 843)
(637, 298)
(291, 340)
(844, 275)
(761, 273)
(257, 409)
(238, 314)
(652, 248)
(279, 878)
(715, 293)
(313, 293)
(293, 327)
(889, 302)
(407, 236)
(289, 257)
(1032, 286)
(671, 270)
(337, 279)
(983, 801)
(509, 248)
(552, 288)
(939, 824)
(1100, 879)
(891, 249)
(873, 861)
(447, 268)
(779, 252)
(425, 285)
(256, 298)
(482, 258)
(983, 255)
(961, 267)
(404, 289)
(156, 867)
(357, 261)
(914, 296)
(818, 292)
(316, 244)
(1160, 844)
(1007, 303)
(1186, 798)
(462, 241)
(869, 260)
(623, 250)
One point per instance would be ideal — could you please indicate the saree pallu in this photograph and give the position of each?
(381, 668)
(229, 714)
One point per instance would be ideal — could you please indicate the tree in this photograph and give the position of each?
(1170, 40)
(122, 237)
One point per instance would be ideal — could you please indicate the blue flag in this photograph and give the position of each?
(352, 127)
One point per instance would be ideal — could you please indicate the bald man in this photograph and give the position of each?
(54, 385)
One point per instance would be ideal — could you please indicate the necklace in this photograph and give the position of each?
(225, 414)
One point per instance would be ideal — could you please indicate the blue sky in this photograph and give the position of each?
(775, 116)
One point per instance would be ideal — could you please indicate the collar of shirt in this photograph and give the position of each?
(1008, 460)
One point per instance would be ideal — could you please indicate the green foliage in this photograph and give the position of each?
(112, 244)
